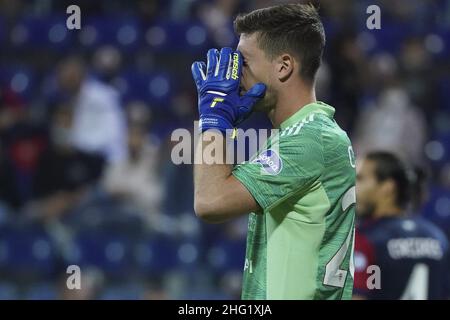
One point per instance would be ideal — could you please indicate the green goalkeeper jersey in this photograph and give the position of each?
(300, 246)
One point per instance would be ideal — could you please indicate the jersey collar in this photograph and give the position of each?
(317, 106)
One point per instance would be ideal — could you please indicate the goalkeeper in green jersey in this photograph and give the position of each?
(299, 190)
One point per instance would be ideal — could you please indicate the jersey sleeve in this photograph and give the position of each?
(288, 165)
(364, 256)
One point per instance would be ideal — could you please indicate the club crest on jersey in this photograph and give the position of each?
(270, 161)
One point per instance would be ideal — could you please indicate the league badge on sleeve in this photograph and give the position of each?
(270, 162)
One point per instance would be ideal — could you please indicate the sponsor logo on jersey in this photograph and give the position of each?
(270, 161)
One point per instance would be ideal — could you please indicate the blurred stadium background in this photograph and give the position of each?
(85, 122)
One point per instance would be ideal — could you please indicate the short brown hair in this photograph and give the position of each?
(292, 28)
(389, 166)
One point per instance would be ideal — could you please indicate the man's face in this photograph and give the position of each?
(257, 67)
(367, 188)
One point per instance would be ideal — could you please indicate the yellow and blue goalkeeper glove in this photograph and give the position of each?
(219, 104)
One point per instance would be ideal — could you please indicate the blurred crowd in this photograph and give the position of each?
(86, 116)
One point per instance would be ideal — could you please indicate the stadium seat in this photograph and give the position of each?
(390, 37)
(437, 208)
(108, 251)
(106, 215)
(116, 31)
(126, 291)
(9, 291)
(438, 148)
(43, 32)
(227, 255)
(173, 37)
(156, 87)
(27, 251)
(20, 79)
(155, 255)
(41, 291)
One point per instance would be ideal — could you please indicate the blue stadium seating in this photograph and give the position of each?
(116, 31)
(41, 32)
(155, 255)
(108, 251)
(41, 291)
(437, 208)
(157, 87)
(27, 250)
(227, 255)
(171, 37)
(20, 79)
(444, 139)
(9, 291)
(126, 291)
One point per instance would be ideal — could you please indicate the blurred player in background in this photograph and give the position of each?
(98, 120)
(300, 231)
(412, 253)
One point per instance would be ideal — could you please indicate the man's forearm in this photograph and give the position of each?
(219, 196)
(210, 172)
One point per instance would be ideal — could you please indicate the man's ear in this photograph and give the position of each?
(285, 66)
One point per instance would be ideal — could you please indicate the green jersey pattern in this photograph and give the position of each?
(300, 246)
